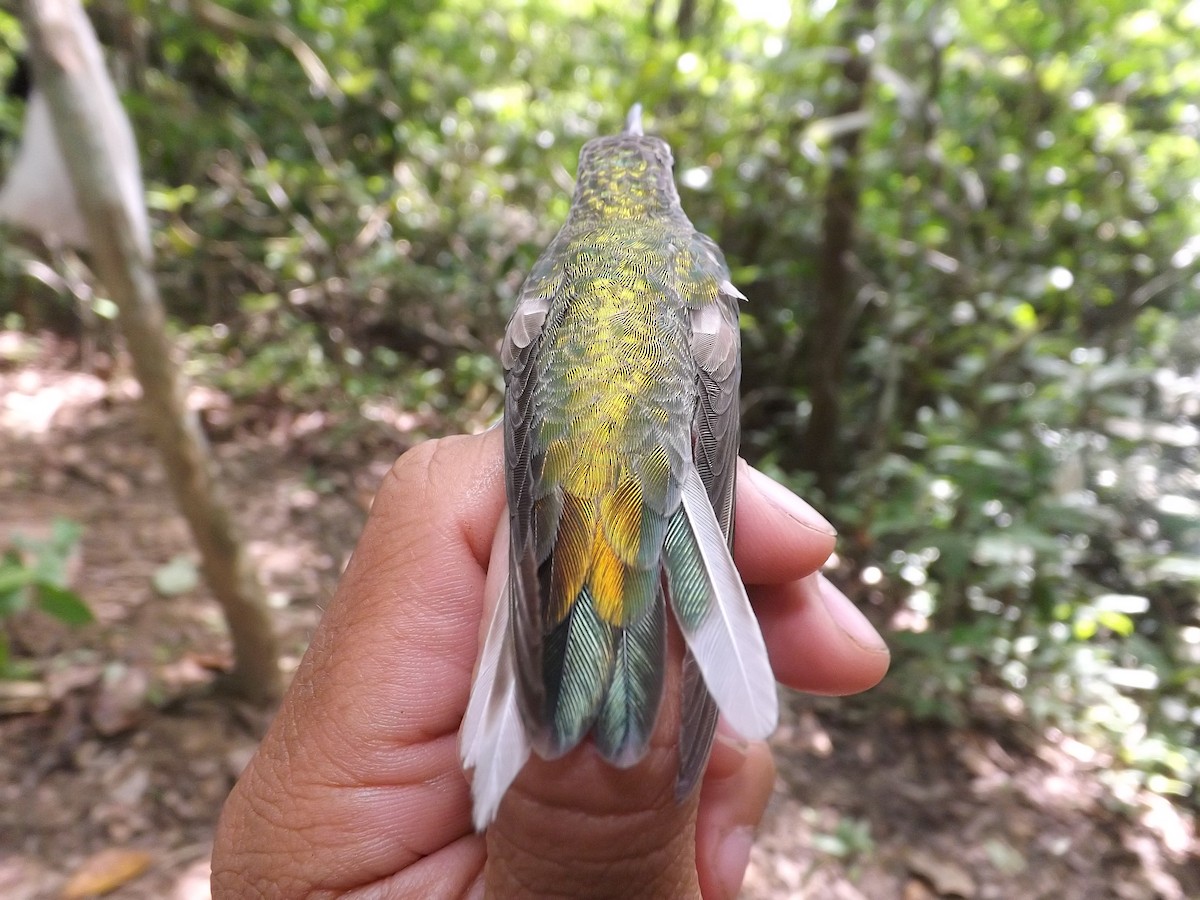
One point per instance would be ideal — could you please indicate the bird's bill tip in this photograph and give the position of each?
(633, 121)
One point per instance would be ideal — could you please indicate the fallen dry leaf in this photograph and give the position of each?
(121, 700)
(947, 877)
(23, 697)
(106, 871)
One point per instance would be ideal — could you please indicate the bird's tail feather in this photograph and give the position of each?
(715, 616)
(630, 708)
(697, 725)
(493, 740)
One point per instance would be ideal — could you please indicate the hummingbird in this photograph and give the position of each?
(621, 428)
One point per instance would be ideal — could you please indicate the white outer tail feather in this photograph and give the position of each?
(728, 644)
(493, 739)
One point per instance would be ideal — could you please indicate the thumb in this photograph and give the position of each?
(579, 827)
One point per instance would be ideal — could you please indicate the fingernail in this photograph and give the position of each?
(728, 754)
(788, 503)
(733, 741)
(849, 618)
(732, 858)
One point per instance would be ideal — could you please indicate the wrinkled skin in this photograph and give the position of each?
(357, 789)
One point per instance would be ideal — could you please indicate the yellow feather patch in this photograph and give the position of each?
(607, 581)
(572, 556)
(656, 476)
(621, 519)
(592, 473)
(557, 461)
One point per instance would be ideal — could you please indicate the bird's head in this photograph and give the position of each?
(626, 175)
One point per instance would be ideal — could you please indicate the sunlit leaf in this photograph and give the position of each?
(1117, 622)
(1128, 604)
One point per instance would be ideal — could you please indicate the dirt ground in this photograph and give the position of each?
(113, 745)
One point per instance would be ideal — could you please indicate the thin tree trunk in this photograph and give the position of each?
(835, 289)
(685, 19)
(70, 69)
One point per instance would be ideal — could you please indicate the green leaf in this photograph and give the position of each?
(64, 604)
(830, 845)
(13, 575)
(1003, 549)
(1116, 622)
(1024, 316)
(65, 533)
(177, 577)
(1085, 628)
(13, 601)
(1177, 567)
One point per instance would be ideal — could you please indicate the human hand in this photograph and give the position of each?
(357, 788)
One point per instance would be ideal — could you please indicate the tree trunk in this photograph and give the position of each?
(835, 290)
(685, 19)
(93, 132)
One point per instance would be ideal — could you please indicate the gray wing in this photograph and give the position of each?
(523, 464)
(495, 736)
(716, 430)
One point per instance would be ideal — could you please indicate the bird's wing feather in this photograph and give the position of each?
(529, 314)
(524, 457)
(715, 347)
(494, 741)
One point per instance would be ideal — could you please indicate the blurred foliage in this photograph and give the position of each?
(347, 196)
(34, 574)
